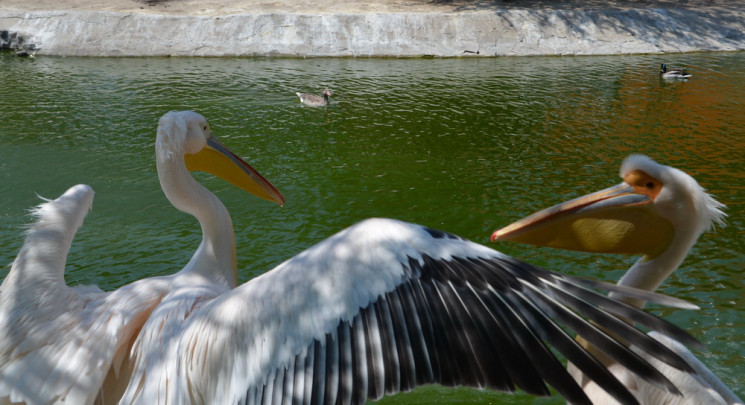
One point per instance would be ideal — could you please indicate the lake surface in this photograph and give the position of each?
(464, 145)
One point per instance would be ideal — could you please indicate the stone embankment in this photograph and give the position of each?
(486, 30)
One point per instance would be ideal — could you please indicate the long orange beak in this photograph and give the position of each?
(614, 220)
(218, 160)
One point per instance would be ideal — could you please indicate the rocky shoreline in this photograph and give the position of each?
(437, 31)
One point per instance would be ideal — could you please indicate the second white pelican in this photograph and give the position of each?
(376, 309)
(657, 211)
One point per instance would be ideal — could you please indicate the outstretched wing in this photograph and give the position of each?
(35, 305)
(57, 343)
(384, 306)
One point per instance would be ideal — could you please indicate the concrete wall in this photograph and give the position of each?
(488, 32)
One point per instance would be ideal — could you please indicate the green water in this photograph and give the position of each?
(465, 145)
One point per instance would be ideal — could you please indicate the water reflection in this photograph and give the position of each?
(465, 145)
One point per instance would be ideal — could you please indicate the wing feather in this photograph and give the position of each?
(288, 393)
(279, 385)
(374, 352)
(59, 343)
(332, 370)
(390, 353)
(359, 346)
(384, 306)
(422, 367)
(567, 345)
(308, 368)
(319, 371)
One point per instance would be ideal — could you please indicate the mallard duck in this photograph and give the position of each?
(673, 73)
(314, 100)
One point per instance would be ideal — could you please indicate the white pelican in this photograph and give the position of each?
(57, 344)
(378, 308)
(659, 212)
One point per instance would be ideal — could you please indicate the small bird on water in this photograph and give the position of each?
(666, 73)
(314, 100)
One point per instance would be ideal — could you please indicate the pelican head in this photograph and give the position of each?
(187, 134)
(654, 207)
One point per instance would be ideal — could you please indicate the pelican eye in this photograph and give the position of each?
(643, 183)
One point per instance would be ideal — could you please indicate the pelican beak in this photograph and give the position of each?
(217, 159)
(615, 220)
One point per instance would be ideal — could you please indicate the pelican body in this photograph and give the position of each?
(379, 308)
(659, 212)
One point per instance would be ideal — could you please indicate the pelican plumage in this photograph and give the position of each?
(58, 343)
(71, 345)
(378, 308)
(659, 212)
